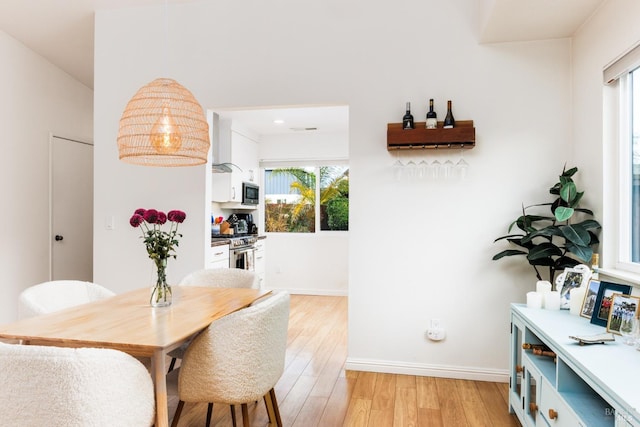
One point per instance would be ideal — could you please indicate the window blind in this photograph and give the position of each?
(626, 63)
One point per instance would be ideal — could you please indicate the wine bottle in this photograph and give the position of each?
(407, 119)
(449, 121)
(530, 346)
(432, 118)
(595, 260)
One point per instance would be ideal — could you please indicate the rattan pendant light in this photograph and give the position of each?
(163, 125)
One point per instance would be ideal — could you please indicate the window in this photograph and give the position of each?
(306, 199)
(634, 91)
(623, 77)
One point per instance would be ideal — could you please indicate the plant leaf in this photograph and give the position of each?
(525, 222)
(576, 235)
(563, 213)
(543, 250)
(576, 199)
(568, 192)
(508, 236)
(565, 262)
(582, 252)
(545, 262)
(570, 172)
(585, 211)
(508, 252)
(549, 231)
(519, 242)
(588, 224)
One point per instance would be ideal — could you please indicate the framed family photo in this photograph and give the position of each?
(604, 300)
(589, 301)
(572, 278)
(623, 309)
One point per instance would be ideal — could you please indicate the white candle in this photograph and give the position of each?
(534, 300)
(576, 295)
(543, 286)
(552, 300)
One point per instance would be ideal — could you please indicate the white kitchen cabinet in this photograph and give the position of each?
(260, 264)
(233, 146)
(589, 386)
(219, 256)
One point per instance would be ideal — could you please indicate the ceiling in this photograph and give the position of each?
(521, 20)
(64, 36)
(299, 119)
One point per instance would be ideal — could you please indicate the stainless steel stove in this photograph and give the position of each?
(242, 241)
(242, 251)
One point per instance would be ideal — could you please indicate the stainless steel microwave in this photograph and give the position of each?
(250, 192)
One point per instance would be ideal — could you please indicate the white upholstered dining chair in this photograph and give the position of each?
(221, 278)
(67, 387)
(56, 295)
(215, 278)
(238, 359)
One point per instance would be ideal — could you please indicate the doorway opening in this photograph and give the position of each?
(295, 138)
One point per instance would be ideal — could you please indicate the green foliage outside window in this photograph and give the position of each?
(299, 216)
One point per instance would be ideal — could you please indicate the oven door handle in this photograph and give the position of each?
(243, 250)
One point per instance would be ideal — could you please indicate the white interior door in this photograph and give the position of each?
(71, 209)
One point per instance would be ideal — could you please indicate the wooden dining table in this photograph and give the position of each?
(127, 322)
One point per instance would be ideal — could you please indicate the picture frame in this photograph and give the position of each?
(572, 278)
(623, 307)
(600, 315)
(589, 301)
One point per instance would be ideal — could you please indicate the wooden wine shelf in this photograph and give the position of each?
(463, 135)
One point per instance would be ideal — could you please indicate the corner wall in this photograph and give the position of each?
(611, 32)
(38, 99)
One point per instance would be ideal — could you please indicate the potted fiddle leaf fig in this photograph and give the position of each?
(563, 236)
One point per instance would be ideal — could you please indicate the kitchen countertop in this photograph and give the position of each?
(221, 241)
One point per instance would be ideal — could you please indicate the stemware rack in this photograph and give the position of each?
(463, 135)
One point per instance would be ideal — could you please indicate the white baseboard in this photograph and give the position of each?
(424, 370)
(321, 292)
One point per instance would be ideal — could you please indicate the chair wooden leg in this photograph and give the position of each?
(233, 415)
(276, 410)
(176, 416)
(209, 413)
(269, 406)
(245, 415)
(172, 364)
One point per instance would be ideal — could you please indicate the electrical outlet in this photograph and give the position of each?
(435, 331)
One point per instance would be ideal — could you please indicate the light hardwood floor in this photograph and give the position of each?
(315, 390)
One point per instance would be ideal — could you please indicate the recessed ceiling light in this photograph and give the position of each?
(278, 121)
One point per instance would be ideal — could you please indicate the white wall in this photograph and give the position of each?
(37, 100)
(416, 250)
(610, 33)
(304, 146)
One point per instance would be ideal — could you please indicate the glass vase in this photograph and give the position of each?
(161, 291)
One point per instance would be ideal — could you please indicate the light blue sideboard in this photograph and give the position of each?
(590, 386)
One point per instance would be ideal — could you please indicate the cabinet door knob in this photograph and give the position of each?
(553, 414)
(58, 237)
(533, 407)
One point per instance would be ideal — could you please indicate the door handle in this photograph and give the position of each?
(58, 237)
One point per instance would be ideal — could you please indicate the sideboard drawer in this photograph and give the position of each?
(554, 410)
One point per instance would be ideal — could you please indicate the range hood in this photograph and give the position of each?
(221, 166)
(224, 167)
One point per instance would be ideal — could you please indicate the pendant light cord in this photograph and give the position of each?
(166, 38)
